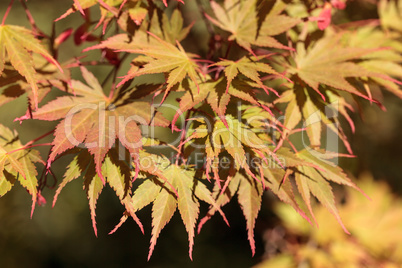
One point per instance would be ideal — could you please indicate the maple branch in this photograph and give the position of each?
(39, 138)
(114, 72)
(112, 90)
(27, 147)
(86, 63)
(7, 11)
(42, 182)
(183, 136)
(31, 20)
(291, 145)
(29, 144)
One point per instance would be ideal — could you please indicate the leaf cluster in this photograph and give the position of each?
(250, 114)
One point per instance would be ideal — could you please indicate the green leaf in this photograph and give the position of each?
(138, 12)
(203, 193)
(302, 103)
(191, 98)
(384, 61)
(78, 5)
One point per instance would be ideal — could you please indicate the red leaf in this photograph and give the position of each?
(40, 199)
(324, 19)
(63, 36)
(81, 35)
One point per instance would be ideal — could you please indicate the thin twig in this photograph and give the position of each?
(26, 147)
(31, 20)
(39, 138)
(7, 11)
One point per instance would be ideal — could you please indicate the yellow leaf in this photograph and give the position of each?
(18, 42)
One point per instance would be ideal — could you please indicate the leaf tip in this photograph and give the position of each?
(151, 250)
(33, 205)
(190, 252)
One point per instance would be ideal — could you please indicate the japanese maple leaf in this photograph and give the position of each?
(158, 42)
(17, 162)
(16, 43)
(315, 181)
(312, 176)
(82, 165)
(329, 63)
(249, 191)
(235, 138)
(385, 61)
(216, 94)
(92, 120)
(163, 57)
(47, 76)
(171, 30)
(315, 113)
(250, 67)
(81, 5)
(110, 8)
(241, 20)
(250, 198)
(390, 14)
(165, 202)
(249, 194)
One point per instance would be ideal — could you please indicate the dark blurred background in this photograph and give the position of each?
(63, 236)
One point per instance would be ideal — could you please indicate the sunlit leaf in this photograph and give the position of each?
(17, 42)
